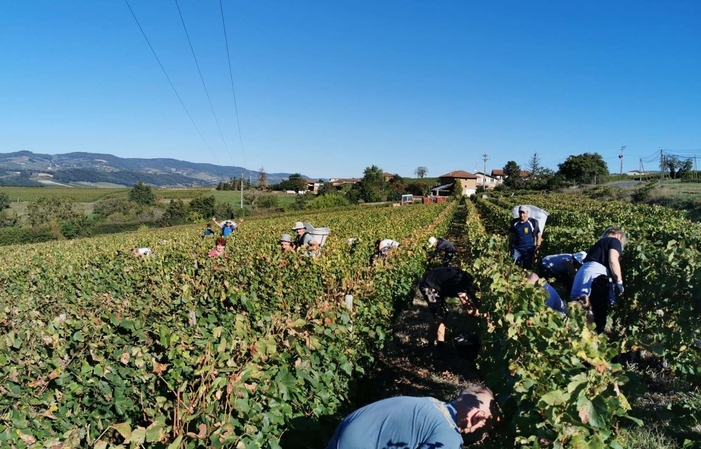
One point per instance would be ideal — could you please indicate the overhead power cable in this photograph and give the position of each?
(202, 78)
(169, 81)
(231, 76)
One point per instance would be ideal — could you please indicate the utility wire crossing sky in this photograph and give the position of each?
(329, 88)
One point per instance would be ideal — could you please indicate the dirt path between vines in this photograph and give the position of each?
(406, 366)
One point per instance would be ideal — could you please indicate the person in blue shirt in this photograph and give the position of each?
(552, 298)
(408, 422)
(227, 227)
(208, 231)
(524, 238)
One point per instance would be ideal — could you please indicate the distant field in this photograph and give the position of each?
(78, 194)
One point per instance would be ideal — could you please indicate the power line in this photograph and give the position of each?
(169, 81)
(192, 49)
(231, 76)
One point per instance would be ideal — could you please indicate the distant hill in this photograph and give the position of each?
(24, 166)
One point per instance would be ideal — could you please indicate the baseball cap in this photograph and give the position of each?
(432, 241)
(523, 209)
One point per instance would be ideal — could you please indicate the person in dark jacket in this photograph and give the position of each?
(524, 238)
(442, 246)
(441, 283)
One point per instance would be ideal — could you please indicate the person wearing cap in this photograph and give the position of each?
(560, 265)
(524, 238)
(382, 249)
(286, 243)
(600, 279)
(304, 239)
(437, 285)
(419, 422)
(227, 227)
(442, 246)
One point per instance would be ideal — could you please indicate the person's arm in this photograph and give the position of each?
(615, 266)
(219, 225)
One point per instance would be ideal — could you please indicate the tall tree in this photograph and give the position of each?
(421, 171)
(534, 166)
(262, 179)
(583, 168)
(142, 194)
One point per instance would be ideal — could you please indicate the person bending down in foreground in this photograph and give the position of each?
(409, 422)
(591, 284)
(439, 284)
(552, 299)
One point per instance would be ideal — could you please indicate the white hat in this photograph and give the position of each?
(298, 225)
(286, 238)
(580, 256)
(524, 209)
(432, 241)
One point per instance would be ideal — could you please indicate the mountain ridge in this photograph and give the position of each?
(103, 167)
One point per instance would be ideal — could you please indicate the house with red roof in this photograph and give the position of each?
(466, 181)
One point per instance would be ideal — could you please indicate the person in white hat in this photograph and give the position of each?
(227, 226)
(419, 422)
(286, 243)
(442, 246)
(304, 239)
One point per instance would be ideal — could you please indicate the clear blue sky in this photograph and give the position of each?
(327, 88)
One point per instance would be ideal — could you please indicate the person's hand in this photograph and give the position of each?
(618, 288)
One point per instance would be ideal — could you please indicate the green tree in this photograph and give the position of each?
(203, 206)
(373, 187)
(327, 188)
(583, 168)
(328, 200)
(47, 210)
(142, 194)
(534, 166)
(295, 182)
(4, 201)
(512, 175)
(421, 171)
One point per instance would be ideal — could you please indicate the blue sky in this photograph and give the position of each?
(327, 88)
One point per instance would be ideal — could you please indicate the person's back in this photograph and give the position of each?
(402, 422)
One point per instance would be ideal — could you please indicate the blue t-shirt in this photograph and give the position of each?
(226, 230)
(399, 423)
(524, 233)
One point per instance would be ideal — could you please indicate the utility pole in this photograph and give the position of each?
(641, 170)
(241, 190)
(484, 173)
(623, 148)
(661, 167)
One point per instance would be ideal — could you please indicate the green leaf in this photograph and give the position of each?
(176, 444)
(124, 430)
(555, 397)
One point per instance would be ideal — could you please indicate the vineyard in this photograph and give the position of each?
(176, 350)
